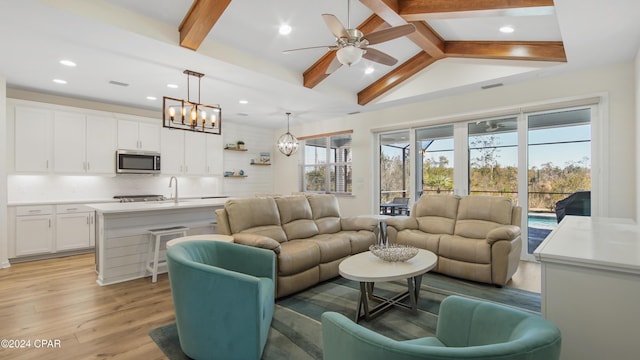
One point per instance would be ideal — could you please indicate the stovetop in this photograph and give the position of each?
(139, 198)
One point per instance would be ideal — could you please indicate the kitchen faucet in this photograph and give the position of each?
(175, 199)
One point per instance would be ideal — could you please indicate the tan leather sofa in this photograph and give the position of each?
(475, 237)
(307, 233)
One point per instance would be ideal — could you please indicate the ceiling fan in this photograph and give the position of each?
(353, 45)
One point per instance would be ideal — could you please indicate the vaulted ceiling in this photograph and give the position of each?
(204, 14)
(127, 50)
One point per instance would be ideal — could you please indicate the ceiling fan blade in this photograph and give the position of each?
(380, 36)
(335, 26)
(328, 47)
(335, 65)
(379, 57)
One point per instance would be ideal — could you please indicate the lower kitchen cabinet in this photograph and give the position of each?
(33, 230)
(75, 230)
(39, 230)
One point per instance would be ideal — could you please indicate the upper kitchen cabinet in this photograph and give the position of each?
(84, 144)
(183, 152)
(138, 135)
(214, 155)
(33, 140)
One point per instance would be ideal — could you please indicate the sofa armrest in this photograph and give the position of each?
(402, 222)
(257, 240)
(506, 232)
(359, 223)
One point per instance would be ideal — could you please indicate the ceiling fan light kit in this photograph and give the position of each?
(287, 143)
(352, 44)
(191, 115)
(349, 55)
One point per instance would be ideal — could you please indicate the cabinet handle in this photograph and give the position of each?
(47, 164)
(91, 217)
(87, 220)
(49, 222)
(34, 211)
(72, 209)
(88, 166)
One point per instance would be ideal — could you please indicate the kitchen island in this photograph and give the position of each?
(122, 232)
(591, 286)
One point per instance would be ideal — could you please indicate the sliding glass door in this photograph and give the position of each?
(435, 160)
(559, 167)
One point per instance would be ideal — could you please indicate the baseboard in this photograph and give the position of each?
(5, 264)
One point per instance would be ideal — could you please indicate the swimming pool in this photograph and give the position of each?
(543, 221)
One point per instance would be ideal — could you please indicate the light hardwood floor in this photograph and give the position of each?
(58, 299)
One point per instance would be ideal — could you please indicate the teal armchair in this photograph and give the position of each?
(223, 296)
(467, 329)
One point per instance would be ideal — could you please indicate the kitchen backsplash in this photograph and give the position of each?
(52, 188)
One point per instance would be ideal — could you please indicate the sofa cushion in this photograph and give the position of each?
(332, 246)
(255, 215)
(295, 217)
(361, 240)
(326, 212)
(477, 215)
(465, 249)
(297, 256)
(436, 214)
(418, 239)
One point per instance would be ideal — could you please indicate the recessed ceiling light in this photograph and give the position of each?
(243, 102)
(152, 98)
(506, 29)
(68, 63)
(59, 81)
(172, 86)
(369, 70)
(284, 29)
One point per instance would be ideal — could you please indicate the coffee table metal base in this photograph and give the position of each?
(366, 294)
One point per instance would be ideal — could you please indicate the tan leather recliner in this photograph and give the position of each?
(475, 237)
(307, 233)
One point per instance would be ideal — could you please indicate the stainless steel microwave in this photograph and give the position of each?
(137, 162)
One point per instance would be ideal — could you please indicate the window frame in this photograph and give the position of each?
(328, 163)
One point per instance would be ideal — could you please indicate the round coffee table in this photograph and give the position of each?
(369, 269)
(211, 237)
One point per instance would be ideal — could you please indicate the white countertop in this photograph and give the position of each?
(604, 243)
(111, 207)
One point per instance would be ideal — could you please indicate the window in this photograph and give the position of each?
(327, 164)
(435, 160)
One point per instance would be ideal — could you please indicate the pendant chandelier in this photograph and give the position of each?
(190, 115)
(287, 143)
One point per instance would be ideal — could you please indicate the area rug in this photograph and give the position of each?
(296, 329)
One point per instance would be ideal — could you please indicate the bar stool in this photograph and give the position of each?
(153, 252)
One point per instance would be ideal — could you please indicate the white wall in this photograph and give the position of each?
(4, 261)
(617, 81)
(637, 147)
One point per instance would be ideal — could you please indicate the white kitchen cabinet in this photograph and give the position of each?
(69, 142)
(214, 163)
(195, 152)
(33, 140)
(101, 145)
(75, 227)
(84, 144)
(183, 152)
(33, 230)
(137, 135)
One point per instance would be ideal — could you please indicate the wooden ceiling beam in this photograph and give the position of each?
(424, 37)
(395, 77)
(317, 72)
(507, 50)
(416, 10)
(199, 21)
